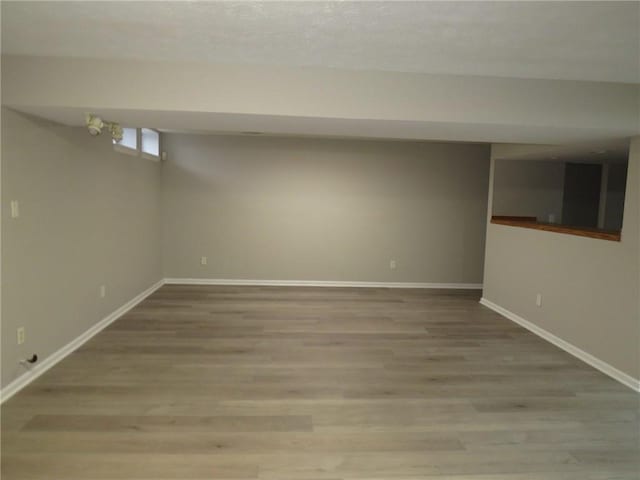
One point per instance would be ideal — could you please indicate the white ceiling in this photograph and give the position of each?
(552, 40)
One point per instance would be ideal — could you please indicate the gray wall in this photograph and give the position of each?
(590, 288)
(88, 217)
(318, 209)
(528, 188)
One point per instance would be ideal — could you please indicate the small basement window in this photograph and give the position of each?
(129, 139)
(150, 142)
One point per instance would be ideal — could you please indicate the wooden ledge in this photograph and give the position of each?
(530, 222)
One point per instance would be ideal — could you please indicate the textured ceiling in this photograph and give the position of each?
(555, 40)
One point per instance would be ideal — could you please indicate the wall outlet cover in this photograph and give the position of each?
(15, 209)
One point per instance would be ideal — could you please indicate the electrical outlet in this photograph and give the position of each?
(203, 260)
(538, 300)
(103, 291)
(15, 209)
(21, 335)
(392, 264)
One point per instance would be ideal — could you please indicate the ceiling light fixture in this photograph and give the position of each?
(95, 125)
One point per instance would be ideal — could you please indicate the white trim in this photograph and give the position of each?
(126, 150)
(38, 369)
(319, 283)
(601, 365)
(148, 156)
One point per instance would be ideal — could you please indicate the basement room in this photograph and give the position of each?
(320, 240)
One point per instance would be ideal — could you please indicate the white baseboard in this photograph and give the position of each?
(319, 283)
(604, 367)
(38, 369)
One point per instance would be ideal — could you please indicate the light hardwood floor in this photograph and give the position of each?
(275, 383)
